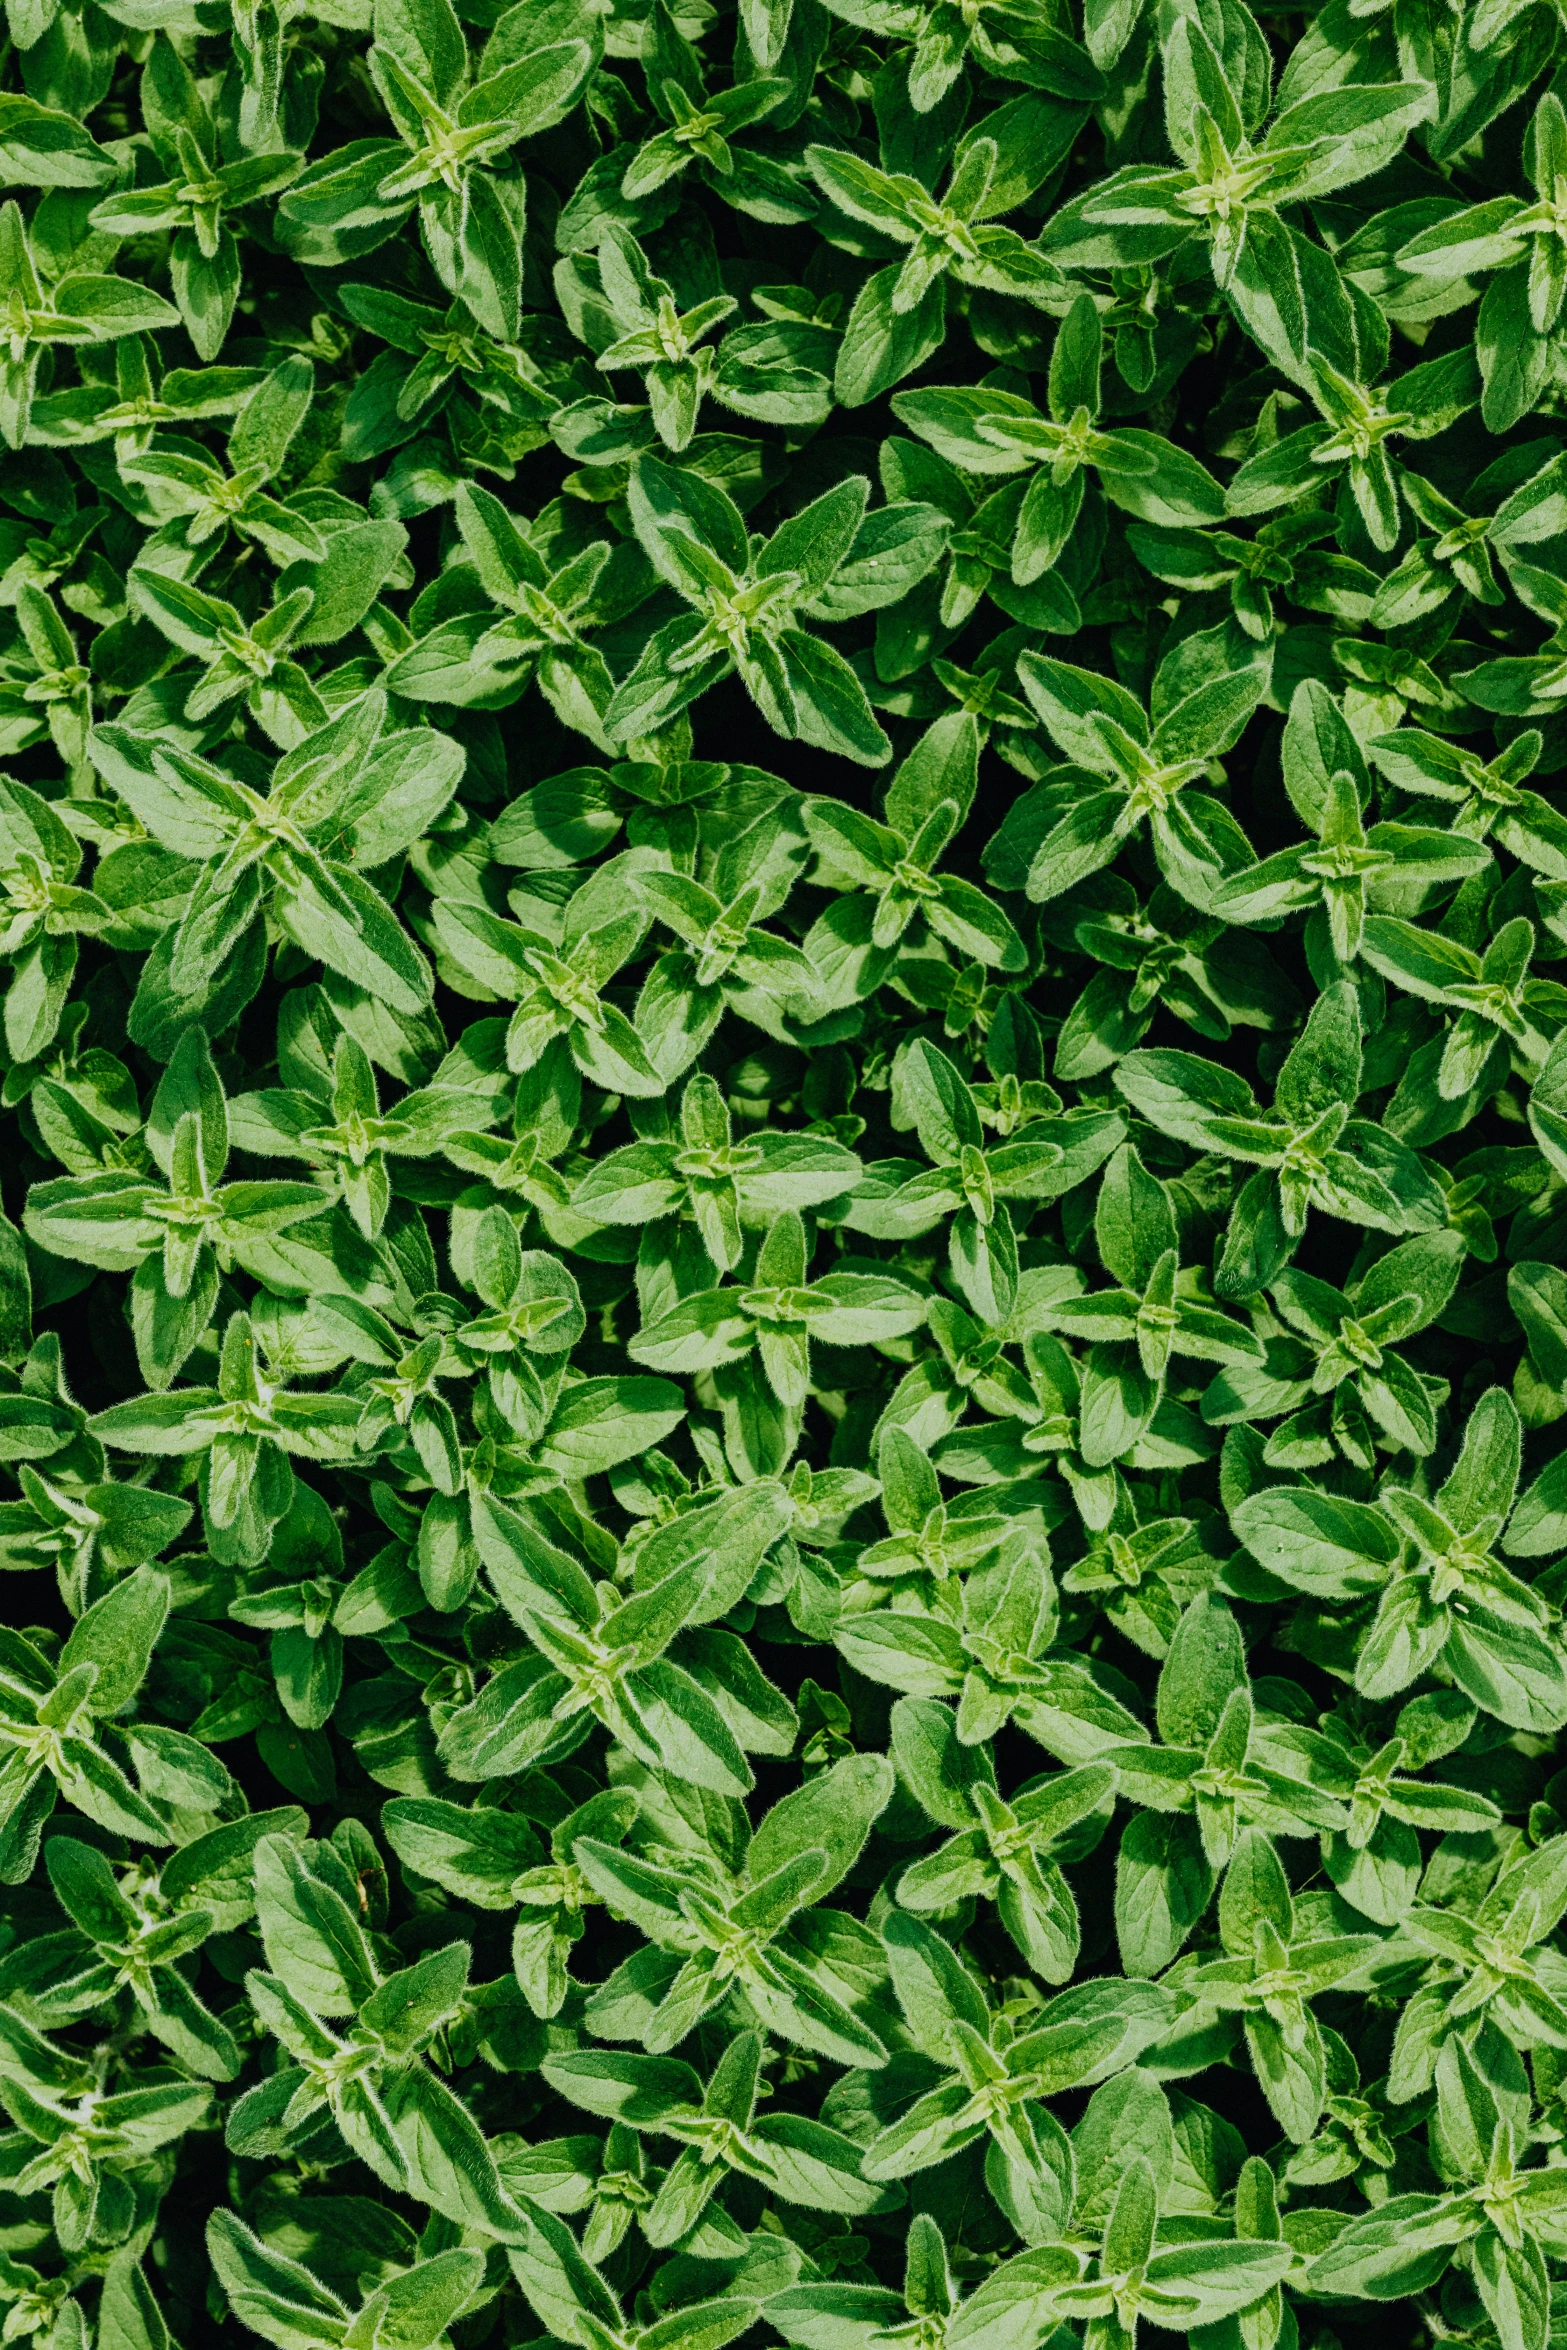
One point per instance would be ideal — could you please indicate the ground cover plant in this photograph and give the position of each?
(783, 1286)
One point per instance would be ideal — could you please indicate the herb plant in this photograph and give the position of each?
(783, 1229)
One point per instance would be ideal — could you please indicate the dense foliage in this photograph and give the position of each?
(783, 1295)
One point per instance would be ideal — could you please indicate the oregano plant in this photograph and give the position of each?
(783, 1222)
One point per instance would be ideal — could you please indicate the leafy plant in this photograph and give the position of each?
(783, 1332)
